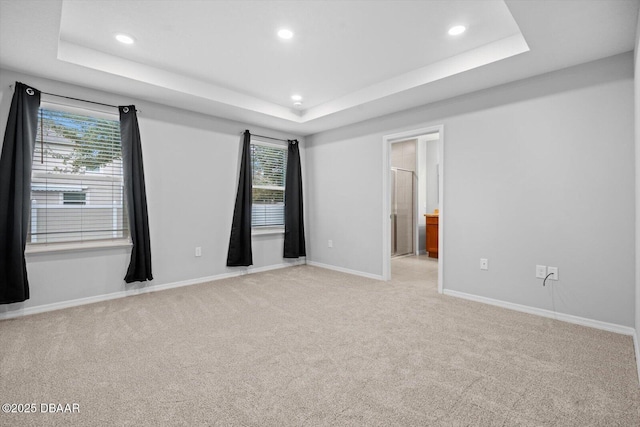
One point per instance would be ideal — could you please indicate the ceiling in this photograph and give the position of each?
(349, 60)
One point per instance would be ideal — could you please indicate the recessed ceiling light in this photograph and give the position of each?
(296, 97)
(285, 34)
(123, 38)
(297, 104)
(456, 30)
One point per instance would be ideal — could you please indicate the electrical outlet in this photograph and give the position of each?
(553, 271)
(198, 251)
(484, 264)
(330, 243)
(541, 271)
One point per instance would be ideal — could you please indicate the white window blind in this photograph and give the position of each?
(269, 164)
(77, 180)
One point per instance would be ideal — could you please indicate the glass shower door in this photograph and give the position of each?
(402, 208)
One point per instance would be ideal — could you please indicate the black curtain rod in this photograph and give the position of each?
(77, 99)
(275, 139)
(268, 137)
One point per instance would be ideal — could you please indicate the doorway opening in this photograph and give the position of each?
(412, 191)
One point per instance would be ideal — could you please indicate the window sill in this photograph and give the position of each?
(263, 231)
(75, 246)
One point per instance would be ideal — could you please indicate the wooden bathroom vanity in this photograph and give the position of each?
(432, 234)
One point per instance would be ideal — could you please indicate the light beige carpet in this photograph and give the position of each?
(306, 346)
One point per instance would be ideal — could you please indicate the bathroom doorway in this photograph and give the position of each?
(412, 188)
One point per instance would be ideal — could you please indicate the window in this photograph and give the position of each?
(74, 198)
(77, 180)
(268, 163)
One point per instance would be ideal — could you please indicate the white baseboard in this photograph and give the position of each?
(144, 290)
(346, 270)
(611, 327)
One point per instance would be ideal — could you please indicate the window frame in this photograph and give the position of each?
(80, 201)
(94, 111)
(269, 229)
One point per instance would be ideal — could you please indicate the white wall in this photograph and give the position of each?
(539, 171)
(191, 168)
(432, 175)
(427, 183)
(422, 192)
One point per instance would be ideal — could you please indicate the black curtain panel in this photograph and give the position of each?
(140, 264)
(294, 246)
(240, 254)
(15, 192)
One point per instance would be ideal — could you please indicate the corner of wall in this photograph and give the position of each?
(637, 165)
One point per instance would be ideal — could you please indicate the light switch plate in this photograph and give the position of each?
(541, 271)
(484, 264)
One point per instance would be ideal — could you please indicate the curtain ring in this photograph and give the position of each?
(30, 91)
(125, 109)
